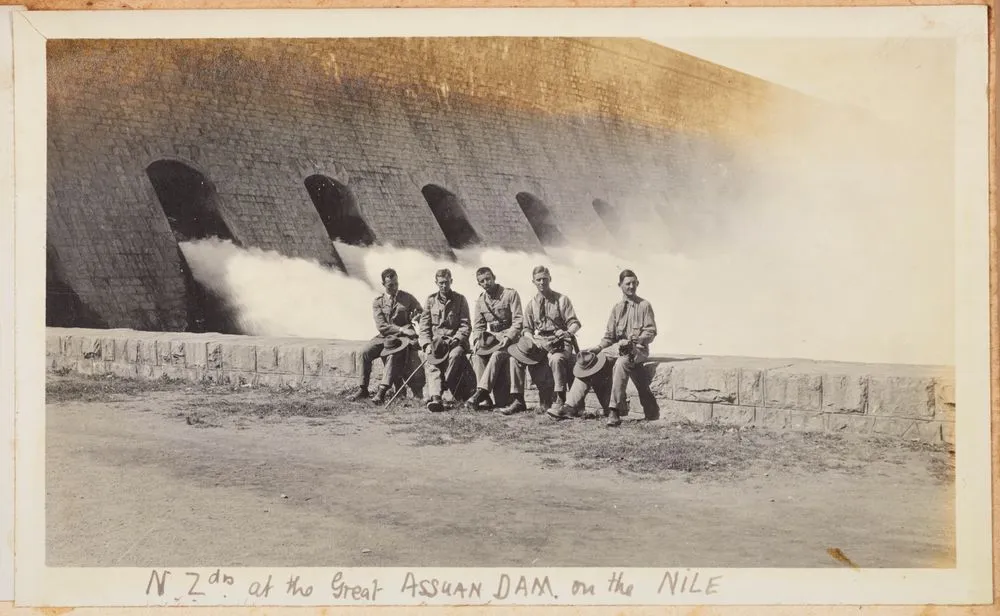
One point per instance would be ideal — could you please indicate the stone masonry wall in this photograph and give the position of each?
(913, 402)
(645, 129)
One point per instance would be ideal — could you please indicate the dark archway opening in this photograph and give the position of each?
(609, 216)
(189, 202)
(451, 217)
(338, 209)
(540, 219)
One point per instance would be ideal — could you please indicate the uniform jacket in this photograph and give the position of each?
(448, 317)
(502, 316)
(394, 313)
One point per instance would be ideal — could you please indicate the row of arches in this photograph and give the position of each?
(188, 201)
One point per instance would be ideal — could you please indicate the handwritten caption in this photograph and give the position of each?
(412, 587)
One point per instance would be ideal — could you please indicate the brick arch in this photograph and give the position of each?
(610, 217)
(188, 199)
(540, 219)
(190, 204)
(338, 209)
(451, 216)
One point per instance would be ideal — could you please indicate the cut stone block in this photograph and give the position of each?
(901, 396)
(290, 360)
(239, 357)
(850, 423)
(844, 393)
(793, 390)
(338, 361)
(772, 419)
(146, 349)
(699, 412)
(213, 355)
(944, 399)
(893, 426)
(807, 420)
(926, 431)
(705, 384)
(312, 360)
(195, 354)
(735, 415)
(751, 390)
(90, 347)
(659, 382)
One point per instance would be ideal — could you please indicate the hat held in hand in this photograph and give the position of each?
(393, 345)
(489, 344)
(527, 352)
(438, 352)
(588, 364)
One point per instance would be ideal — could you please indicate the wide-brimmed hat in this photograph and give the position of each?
(589, 364)
(393, 345)
(439, 352)
(526, 351)
(489, 344)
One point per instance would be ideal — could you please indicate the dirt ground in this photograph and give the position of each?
(171, 474)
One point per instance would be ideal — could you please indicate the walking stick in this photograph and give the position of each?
(406, 382)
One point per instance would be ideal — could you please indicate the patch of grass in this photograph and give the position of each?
(79, 388)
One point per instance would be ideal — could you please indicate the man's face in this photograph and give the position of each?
(444, 284)
(486, 280)
(542, 281)
(391, 284)
(629, 286)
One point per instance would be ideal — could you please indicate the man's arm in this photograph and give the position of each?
(424, 325)
(648, 331)
(573, 324)
(516, 317)
(382, 324)
(478, 322)
(464, 326)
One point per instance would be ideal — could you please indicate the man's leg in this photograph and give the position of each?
(411, 366)
(434, 379)
(576, 397)
(391, 376)
(650, 408)
(368, 354)
(486, 376)
(541, 376)
(619, 381)
(459, 376)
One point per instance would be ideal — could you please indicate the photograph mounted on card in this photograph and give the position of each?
(462, 307)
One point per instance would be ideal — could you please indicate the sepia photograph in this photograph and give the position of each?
(505, 301)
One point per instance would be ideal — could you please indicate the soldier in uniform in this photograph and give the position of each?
(444, 337)
(551, 323)
(630, 330)
(394, 312)
(497, 324)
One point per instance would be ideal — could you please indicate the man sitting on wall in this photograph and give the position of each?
(444, 337)
(630, 330)
(550, 322)
(394, 312)
(497, 324)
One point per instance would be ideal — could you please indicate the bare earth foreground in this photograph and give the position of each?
(174, 474)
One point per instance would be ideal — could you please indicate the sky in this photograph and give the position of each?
(908, 82)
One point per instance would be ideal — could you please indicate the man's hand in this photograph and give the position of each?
(453, 342)
(596, 349)
(562, 334)
(408, 331)
(427, 348)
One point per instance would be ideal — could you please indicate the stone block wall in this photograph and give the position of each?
(912, 402)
